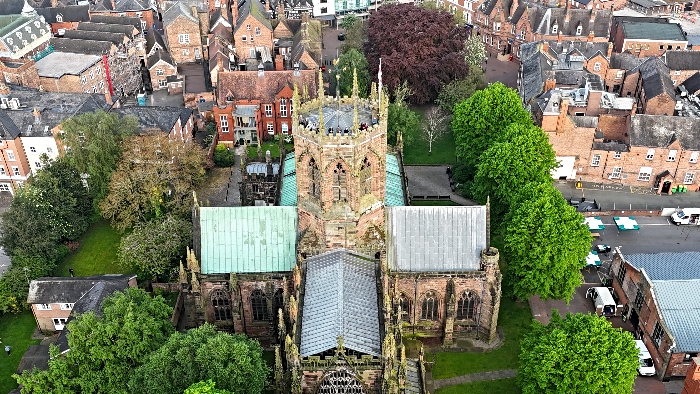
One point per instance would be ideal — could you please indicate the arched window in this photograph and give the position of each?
(314, 179)
(467, 306)
(341, 382)
(277, 301)
(258, 304)
(405, 304)
(365, 178)
(339, 183)
(221, 302)
(429, 309)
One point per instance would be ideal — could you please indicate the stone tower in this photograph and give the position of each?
(340, 145)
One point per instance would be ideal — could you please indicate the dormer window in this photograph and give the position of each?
(555, 28)
(59, 18)
(579, 30)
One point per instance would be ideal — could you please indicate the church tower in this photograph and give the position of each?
(341, 147)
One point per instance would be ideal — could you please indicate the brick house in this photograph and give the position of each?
(264, 97)
(505, 25)
(20, 72)
(622, 64)
(682, 64)
(649, 7)
(647, 36)
(142, 9)
(252, 31)
(175, 122)
(182, 35)
(64, 18)
(655, 93)
(160, 66)
(72, 72)
(692, 380)
(135, 35)
(220, 46)
(661, 301)
(52, 300)
(154, 42)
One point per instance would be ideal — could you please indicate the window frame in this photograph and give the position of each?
(430, 307)
(223, 123)
(672, 155)
(644, 174)
(258, 306)
(689, 178)
(694, 157)
(595, 161)
(650, 154)
(616, 173)
(467, 306)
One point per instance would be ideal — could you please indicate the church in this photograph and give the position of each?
(343, 272)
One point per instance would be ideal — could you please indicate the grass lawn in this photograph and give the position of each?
(503, 386)
(15, 331)
(97, 253)
(271, 146)
(433, 203)
(515, 319)
(443, 150)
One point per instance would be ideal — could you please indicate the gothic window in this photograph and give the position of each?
(429, 309)
(339, 183)
(341, 382)
(277, 301)
(258, 304)
(314, 179)
(366, 178)
(221, 302)
(405, 304)
(467, 306)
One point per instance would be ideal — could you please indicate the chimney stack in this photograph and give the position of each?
(279, 63)
(261, 70)
(590, 36)
(37, 115)
(296, 70)
(234, 13)
(563, 113)
(194, 12)
(545, 46)
(560, 36)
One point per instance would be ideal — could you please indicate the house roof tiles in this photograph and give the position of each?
(54, 290)
(177, 10)
(88, 47)
(656, 78)
(659, 131)
(682, 60)
(692, 84)
(158, 56)
(679, 305)
(71, 13)
(247, 85)
(128, 30)
(254, 8)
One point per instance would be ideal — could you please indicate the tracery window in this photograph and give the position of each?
(405, 304)
(221, 301)
(341, 382)
(339, 183)
(365, 178)
(258, 304)
(314, 179)
(429, 309)
(467, 305)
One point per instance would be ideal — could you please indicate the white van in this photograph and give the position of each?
(686, 216)
(646, 364)
(602, 299)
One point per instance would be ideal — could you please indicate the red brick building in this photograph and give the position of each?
(682, 64)
(182, 33)
(659, 298)
(646, 36)
(252, 105)
(64, 18)
(692, 380)
(252, 31)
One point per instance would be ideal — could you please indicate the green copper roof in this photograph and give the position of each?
(394, 186)
(247, 239)
(288, 194)
(394, 196)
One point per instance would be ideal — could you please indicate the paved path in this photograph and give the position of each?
(475, 377)
(432, 181)
(621, 198)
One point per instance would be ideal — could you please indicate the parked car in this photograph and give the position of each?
(646, 363)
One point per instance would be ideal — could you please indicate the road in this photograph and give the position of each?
(656, 234)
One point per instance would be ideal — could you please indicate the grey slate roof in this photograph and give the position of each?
(117, 20)
(176, 11)
(656, 78)
(533, 64)
(158, 56)
(682, 60)
(692, 84)
(115, 38)
(131, 5)
(542, 20)
(660, 131)
(149, 118)
(71, 13)
(625, 61)
(127, 30)
(87, 47)
(583, 48)
(340, 298)
(649, 3)
(154, 38)
(652, 31)
(679, 305)
(52, 290)
(57, 64)
(254, 8)
(667, 266)
(8, 128)
(436, 239)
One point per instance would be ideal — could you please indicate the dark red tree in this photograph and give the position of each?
(423, 47)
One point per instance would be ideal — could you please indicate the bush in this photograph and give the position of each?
(223, 156)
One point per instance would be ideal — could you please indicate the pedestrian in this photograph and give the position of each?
(72, 274)
(8, 349)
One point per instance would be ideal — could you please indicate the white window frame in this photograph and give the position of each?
(688, 178)
(283, 108)
(67, 306)
(32, 149)
(285, 128)
(160, 72)
(11, 155)
(15, 171)
(620, 74)
(223, 123)
(555, 29)
(3, 171)
(596, 66)
(258, 31)
(672, 155)
(163, 83)
(579, 30)
(617, 155)
(694, 157)
(244, 38)
(185, 52)
(59, 323)
(615, 174)
(650, 154)
(183, 38)
(270, 128)
(644, 174)
(676, 72)
(268, 110)
(42, 307)
(595, 161)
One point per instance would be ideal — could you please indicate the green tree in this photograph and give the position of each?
(525, 156)
(355, 37)
(474, 51)
(402, 119)
(223, 156)
(154, 247)
(480, 121)
(233, 361)
(581, 354)
(55, 380)
(155, 176)
(545, 242)
(14, 284)
(93, 143)
(349, 61)
(105, 350)
(457, 91)
(208, 387)
(349, 21)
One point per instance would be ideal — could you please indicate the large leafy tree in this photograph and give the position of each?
(546, 243)
(208, 387)
(355, 36)
(459, 90)
(402, 119)
(581, 354)
(480, 121)
(154, 247)
(347, 64)
(105, 350)
(234, 362)
(474, 51)
(93, 143)
(423, 47)
(525, 156)
(155, 176)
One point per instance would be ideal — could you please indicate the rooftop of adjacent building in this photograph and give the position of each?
(58, 64)
(653, 31)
